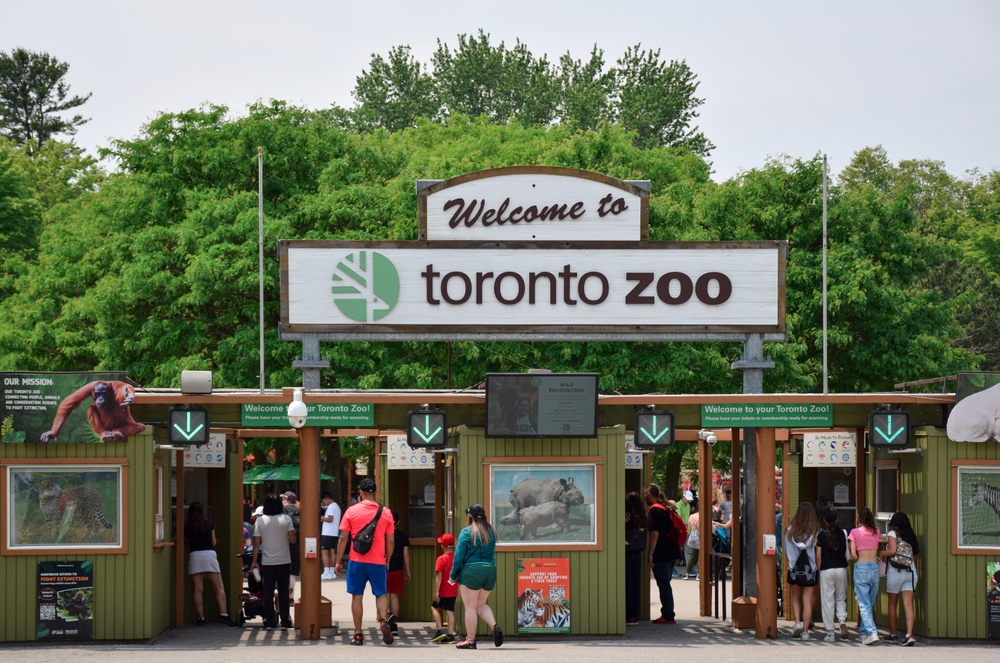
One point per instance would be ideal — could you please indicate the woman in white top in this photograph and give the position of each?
(800, 539)
(900, 554)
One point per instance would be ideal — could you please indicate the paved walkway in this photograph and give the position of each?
(701, 637)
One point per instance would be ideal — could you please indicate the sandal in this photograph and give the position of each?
(466, 644)
(358, 639)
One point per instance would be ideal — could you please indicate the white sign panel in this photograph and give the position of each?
(633, 459)
(400, 456)
(829, 450)
(536, 206)
(357, 287)
(212, 454)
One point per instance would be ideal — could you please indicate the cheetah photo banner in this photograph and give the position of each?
(56, 407)
(65, 600)
(63, 508)
(543, 595)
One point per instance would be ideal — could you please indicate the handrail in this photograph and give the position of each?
(718, 580)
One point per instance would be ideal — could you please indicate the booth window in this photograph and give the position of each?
(160, 527)
(886, 489)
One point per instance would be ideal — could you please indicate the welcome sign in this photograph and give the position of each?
(621, 289)
(525, 203)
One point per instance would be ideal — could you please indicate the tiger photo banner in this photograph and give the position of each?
(543, 595)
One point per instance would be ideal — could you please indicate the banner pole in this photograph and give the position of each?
(260, 254)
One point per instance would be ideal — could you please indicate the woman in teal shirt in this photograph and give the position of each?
(476, 569)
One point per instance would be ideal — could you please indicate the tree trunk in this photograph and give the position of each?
(672, 476)
(333, 466)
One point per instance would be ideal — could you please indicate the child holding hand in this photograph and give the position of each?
(444, 592)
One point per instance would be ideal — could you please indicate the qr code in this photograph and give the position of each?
(47, 612)
(557, 594)
(565, 428)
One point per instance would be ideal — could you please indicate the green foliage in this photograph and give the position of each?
(32, 93)
(645, 95)
(20, 220)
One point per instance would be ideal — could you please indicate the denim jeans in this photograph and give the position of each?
(866, 589)
(633, 571)
(662, 572)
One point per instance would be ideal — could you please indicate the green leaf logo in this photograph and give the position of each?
(366, 286)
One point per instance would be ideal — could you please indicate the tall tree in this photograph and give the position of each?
(503, 84)
(657, 101)
(394, 92)
(20, 220)
(586, 91)
(33, 92)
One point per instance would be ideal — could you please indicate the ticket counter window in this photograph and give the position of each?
(886, 492)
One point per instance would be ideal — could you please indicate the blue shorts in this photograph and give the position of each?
(359, 574)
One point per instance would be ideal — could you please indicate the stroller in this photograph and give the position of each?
(252, 595)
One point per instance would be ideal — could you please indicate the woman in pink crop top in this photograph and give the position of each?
(863, 542)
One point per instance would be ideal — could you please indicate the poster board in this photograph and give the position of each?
(65, 600)
(543, 601)
(834, 449)
(993, 600)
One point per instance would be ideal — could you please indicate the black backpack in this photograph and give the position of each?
(363, 541)
(803, 574)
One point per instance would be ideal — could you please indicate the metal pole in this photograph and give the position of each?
(260, 254)
(826, 386)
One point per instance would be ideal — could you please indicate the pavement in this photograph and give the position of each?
(697, 637)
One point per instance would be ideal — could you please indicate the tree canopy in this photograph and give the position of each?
(642, 93)
(33, 91)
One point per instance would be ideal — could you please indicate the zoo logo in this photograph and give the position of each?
(367, 286)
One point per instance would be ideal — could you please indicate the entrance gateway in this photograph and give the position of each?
(541, 254)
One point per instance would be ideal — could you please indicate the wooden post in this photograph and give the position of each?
(705, 526)
(785, 464)
(179, 543)
(307, 616)
(767, 578)
(737, 500)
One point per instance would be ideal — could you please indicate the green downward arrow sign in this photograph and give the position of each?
(655, 437)
(188, 434)
(427, 429)
(890, 436)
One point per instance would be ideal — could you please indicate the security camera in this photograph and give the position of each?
(297, 411)
(711, 439)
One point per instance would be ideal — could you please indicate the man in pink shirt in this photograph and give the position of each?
(368, 567)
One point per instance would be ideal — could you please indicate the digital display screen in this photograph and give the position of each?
(541, 405)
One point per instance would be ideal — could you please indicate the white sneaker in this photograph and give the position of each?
(805, 636)
(325, 576)
(870, 639)
(830, 637)
(797, 631)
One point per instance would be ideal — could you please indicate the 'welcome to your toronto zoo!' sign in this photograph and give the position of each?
(481, 276)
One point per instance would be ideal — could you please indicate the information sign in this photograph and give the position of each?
(834, 449)
(778, 415)
(65, 600)
(401, 456)
(543, 595)
(335, 415)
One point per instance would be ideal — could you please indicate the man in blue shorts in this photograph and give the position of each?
(369, 567)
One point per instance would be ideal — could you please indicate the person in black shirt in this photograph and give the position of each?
(831, 559)
(662, 550)
(203, 563)
(397, 565)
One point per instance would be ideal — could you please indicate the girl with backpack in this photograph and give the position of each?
(901, 553)
(831, 557)
(863, 541)
(803, 574)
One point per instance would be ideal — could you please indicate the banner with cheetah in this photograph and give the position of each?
(65, 508)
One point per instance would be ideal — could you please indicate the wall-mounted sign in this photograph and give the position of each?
(543, 595)
(394, 290)
(541, 405)
(187, 426)
(269, 415)
(532, 203)
(48, 407)
(65, 600)
(834, 449)
(780, 415)
(993, 599)
(401, 456)
(211, 454)
(633, 459)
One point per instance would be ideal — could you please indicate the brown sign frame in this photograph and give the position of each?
(623, 332)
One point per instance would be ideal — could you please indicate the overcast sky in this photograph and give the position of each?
(921, 78)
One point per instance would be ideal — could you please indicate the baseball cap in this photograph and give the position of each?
(259, 511)
(476, 511)
(446, 540)
(290, 496)
(688, 495)
(367, 485)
